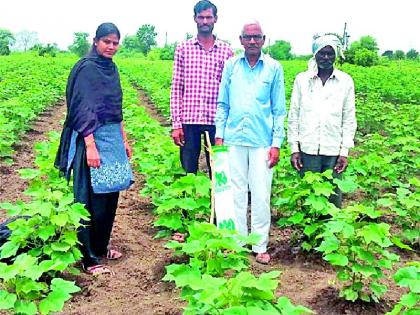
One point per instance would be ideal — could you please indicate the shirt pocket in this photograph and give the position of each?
(216, 70)
(263, 91)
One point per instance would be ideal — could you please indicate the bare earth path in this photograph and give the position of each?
(136, 287)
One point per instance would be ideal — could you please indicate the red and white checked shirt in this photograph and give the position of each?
(195, 82)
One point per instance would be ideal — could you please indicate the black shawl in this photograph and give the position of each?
(94, 98)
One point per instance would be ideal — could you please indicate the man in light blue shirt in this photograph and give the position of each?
(249, 119)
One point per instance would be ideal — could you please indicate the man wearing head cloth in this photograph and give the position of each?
(322, 115)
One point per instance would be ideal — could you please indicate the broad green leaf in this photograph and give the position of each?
(25, 307)
(58, 284)
(365, 270)
(410, 299)
(364, 254)
(345, 185)
(9, 249)
(171, 221)
(337, 259)
(28, 173)
(7, 300)
(403, 275)
(378, 289)
(59, 219)
(60, 246)
(12, 210)
(325, 189)
(45, 232)
(328, 245)
(316, 202)
(296, 218)
(349, 294)
(343, 276)
(397, 241)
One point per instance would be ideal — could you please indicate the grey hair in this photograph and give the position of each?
(252, 22)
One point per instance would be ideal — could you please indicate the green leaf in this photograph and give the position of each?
(343, 276)
(12, 210)
(345, 185)
(7, 300)
(28, 173)
(365, 270)
(58, 284)
(25, 307)
(318, 203)
(9, 249)
(404, 275)
(60, 219)
(310, 229)
(171, 221)
(410, 299)
(349, 294)
(378, 289)
(54, 302)
(60, 246)
(296, 218)
(328, 245)
(325, 189)
(364, 254)
(45, 232)
(337, 259)
(397, 241)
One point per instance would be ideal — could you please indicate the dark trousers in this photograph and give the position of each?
(94, 237)
(190, 152)
(95, 234)
(319, 164)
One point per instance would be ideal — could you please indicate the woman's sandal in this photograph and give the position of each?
(97, 270)
(113, 254)
(263, 258)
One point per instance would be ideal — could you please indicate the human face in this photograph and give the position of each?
(108, 45)
(252, 39)
(325, 58)
(205, 21)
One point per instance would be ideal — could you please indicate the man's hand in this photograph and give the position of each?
(178, 137)
(218, 141)
(296, 161)
(92, 156)
(341, 164)
(273, 157)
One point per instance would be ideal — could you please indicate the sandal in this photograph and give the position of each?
(179, 237)
(113, 254)
(97, 270)
(263, 258)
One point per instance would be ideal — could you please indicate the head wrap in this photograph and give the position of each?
(321, 42)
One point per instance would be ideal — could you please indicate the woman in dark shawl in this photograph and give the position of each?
(94, 145)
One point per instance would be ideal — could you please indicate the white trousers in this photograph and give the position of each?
(249, 170)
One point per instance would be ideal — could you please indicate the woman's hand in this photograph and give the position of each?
(128, 149)
(92, 155)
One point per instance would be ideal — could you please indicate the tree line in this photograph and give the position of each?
(363, 52)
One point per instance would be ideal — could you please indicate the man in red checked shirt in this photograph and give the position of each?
(197, 72)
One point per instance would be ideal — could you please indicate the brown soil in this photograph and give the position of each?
(137, 288)
(11, 185)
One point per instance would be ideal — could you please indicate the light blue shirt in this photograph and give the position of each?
(251, 104)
